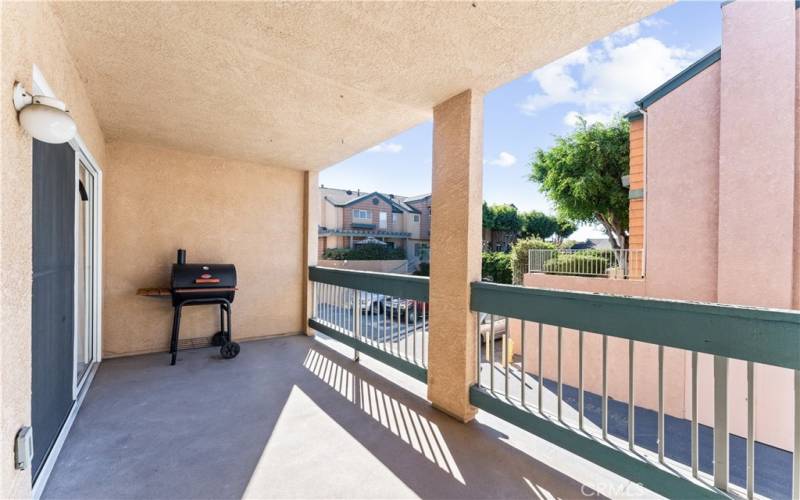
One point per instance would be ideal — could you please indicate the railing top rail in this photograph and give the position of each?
(770, 336)
(397, 285)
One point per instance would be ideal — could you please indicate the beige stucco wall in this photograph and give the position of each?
(158, 200)
(30, 35)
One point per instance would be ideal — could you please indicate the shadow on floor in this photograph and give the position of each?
(773, 466)
(289, 417)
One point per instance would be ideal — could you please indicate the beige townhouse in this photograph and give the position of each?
(352, 217)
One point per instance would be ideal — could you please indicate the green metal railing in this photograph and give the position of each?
(508, 389)
(384, 316)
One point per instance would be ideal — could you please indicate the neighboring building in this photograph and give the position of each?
(498, 241)
(714, 204)
(349, 217)
(592, 243)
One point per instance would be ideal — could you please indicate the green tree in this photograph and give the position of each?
(538, 224)
(565, 228)
(488, 216)
(505, 218)
(582, 175)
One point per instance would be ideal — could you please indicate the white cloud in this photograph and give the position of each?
(609, 77)
(555, 81)
(654, 22)
(386, 147)
(504, 159)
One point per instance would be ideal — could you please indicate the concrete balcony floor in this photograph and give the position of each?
(295, 417)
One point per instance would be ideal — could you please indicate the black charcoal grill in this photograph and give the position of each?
(204, 284)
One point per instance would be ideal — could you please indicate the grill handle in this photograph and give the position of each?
(206, 280)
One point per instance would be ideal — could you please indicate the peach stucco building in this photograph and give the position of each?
(715, 205)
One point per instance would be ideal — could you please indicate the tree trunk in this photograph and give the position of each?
(616, 236)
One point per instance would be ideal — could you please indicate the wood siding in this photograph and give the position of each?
(374, 210)
(636, 207)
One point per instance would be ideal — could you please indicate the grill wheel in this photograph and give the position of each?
(229, 350)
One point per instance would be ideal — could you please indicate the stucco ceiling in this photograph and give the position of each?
(304, 85)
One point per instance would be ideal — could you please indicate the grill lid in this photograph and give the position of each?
(203, 276)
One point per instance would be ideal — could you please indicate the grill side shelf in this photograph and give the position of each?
(154, 292)
(203, 290)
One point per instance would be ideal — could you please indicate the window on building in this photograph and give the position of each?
(362, 214)
(394, 218)
(416, 217)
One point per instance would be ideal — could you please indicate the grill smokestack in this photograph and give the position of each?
(181, 256)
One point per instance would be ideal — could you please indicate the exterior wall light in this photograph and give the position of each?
(45, 118)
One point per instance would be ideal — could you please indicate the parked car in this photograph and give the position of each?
(370, 302)
(403, 308)
(485, 326)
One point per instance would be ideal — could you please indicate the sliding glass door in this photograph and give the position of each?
(85, 239)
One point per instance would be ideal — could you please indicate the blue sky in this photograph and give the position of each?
(596, 82)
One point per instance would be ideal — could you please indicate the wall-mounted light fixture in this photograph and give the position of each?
(45, 118)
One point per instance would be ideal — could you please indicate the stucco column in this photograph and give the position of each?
(311, 236)
(455, 251)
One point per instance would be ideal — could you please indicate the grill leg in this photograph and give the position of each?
(176, 325)
(222, 319)
(228, 333)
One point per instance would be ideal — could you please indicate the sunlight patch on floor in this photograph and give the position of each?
(324, 452)
(413, 429)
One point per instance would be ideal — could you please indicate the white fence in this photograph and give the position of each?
(618, 264)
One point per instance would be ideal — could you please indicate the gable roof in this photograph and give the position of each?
(345, 198)
(419, 197)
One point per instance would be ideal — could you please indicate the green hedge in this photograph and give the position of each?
(496, 266)
(577, 264)
(365, 252)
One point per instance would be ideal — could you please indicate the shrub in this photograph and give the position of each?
(365, 252)
(496, 266)
(577, 264)
(519, 256)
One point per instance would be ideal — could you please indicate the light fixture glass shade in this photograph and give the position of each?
(47, 123)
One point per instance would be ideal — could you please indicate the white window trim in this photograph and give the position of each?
(79, 387)
(357, 214)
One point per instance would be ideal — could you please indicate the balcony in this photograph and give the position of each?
(345, 414)
(212, 135)
(294, 417)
